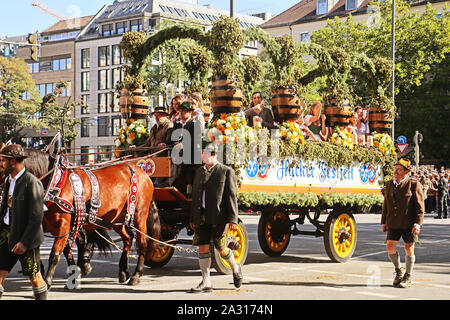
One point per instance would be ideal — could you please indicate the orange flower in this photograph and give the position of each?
(223, 116)
(215, 123)
(131, 136)
(225, 139)
(376, 143)
(221, 128)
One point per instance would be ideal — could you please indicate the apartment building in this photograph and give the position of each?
(100, 65)
(307, 16)
(55, 63)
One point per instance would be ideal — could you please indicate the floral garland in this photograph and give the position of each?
(227, 127)
(133, 133)
(383, 142)
(291, 132)
(342, 137)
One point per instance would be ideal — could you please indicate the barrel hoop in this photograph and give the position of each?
(226, 98)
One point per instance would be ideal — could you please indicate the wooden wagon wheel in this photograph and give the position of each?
(340, 236)
(272, 236)
(240, 255)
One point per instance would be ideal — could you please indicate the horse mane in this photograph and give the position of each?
(36, 162)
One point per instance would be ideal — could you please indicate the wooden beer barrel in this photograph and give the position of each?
(285, 105)
(206, 110)
(134, 106)
(337, 115)
(225, 96)
(380, 120)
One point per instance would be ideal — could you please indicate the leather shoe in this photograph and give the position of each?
(201, 288)
(237, 278)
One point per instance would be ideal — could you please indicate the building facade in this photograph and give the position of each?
(307, 16)
(55, 64)
(100, 66)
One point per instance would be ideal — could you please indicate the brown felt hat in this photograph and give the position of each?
(14, 151)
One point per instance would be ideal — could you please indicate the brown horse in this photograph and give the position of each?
(114, 189)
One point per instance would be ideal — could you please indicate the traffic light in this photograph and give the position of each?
(33, 41)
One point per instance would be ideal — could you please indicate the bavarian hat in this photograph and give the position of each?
(405, 163)
(14, 151)
(186, 105)
(160, 109)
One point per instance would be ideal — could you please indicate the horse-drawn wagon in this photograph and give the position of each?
(285, 193)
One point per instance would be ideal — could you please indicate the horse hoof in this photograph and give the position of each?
(86, 269)
(134, 281)
(123, 277)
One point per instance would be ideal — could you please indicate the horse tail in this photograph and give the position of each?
(101, 239)
(153, 227)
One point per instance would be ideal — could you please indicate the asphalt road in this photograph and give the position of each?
(303, 272)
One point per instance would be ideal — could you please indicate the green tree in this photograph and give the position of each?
(19, 99)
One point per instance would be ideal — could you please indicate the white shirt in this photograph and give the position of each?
(12, 185)
(399, 183)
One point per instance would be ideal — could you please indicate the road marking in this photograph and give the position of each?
(332, 288)
(369, 254)
(376, 294)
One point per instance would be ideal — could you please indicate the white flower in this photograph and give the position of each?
(131, 127)
(117, 142)
(227, 132)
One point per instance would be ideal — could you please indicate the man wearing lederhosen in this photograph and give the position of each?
(21, 213)
(402, 217)
(214, 209)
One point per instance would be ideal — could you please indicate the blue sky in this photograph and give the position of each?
(19, 17)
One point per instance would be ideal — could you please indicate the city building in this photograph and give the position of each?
(55, 64)
(100, 65)
(307, 16)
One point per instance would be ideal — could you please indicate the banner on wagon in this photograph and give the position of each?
(300, 176)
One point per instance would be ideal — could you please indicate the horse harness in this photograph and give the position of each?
(78, 205)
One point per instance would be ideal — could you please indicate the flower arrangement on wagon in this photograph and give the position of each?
(290, 131)
(342, 137)
(133, 133)
(384, 143)
(227, 127)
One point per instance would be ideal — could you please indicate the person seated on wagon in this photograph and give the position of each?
(196, 101)
(301, 121)
(315, 122)
(257, 112)
(174, 115)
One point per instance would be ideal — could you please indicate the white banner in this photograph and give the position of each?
(314, 176)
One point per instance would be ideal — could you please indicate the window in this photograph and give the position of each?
(104, 153)
(103, 102)
(56, 65)
(115, 103)
(115, 125)
(117, 55)
(84, 155)
(84, 104)
(85, 58)
(152, 24)
(136, 25)
(116, 77)
(85, 81)
(103, 79)
(351, 4)
(304, 36)
(33, 67)
(102, 129)
(104, 56)
(121, 27)
(107, 30)
(322, 6)
(171, 10)
(84, 127)
(163, 8)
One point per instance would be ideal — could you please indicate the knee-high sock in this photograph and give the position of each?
(395, 258)
(204, 261)
(410, 263)
(230, 259)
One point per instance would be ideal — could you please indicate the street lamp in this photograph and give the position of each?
(232, 8)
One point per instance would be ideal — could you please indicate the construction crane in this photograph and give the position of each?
(49, 10)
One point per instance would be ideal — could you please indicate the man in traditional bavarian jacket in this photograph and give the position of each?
(21, 213)
(402, 217)
(214, 209)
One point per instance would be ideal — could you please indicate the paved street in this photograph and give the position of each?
(303, 272)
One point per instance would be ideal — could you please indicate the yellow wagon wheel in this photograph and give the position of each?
(238, 235)
(340, 236)
(274, 233)
(161, 256)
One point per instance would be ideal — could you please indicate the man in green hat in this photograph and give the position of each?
(21, 213)
(402, 217)
(214, 210)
